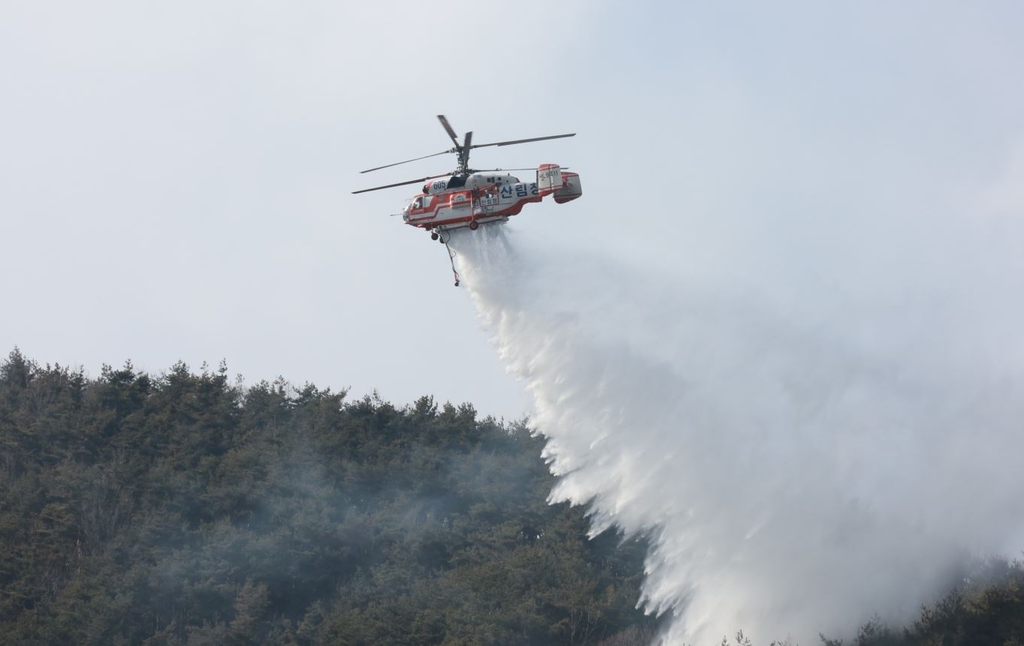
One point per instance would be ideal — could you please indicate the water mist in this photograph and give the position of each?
(796, 478)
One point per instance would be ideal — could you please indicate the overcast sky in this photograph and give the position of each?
(175, 178)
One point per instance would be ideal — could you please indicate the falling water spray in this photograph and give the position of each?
(792, 480)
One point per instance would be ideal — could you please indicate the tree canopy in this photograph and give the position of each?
(184, 508)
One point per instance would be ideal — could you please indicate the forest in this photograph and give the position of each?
(186, 508)
(191, 508)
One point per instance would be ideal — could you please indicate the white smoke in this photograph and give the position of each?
(798, 473)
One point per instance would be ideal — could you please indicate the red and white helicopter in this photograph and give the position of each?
(469, 198)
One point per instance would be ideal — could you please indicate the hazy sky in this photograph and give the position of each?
(175, 178)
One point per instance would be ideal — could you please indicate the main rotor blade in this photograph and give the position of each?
(370, 170)
(411, 181)
(464, 153)
(451, 132)
(524, 141)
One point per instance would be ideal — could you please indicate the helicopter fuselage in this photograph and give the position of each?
(481, 198)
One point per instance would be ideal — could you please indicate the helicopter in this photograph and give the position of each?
(466, 197)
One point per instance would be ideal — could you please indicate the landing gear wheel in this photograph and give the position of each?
(433, 236)
(473, 224)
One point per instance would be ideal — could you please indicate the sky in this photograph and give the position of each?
(175, 180)
(811, 190)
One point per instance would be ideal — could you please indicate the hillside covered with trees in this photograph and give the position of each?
(185, 508)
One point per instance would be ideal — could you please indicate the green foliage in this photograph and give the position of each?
(185, 509)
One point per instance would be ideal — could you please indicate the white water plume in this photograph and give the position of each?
(795, 478)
